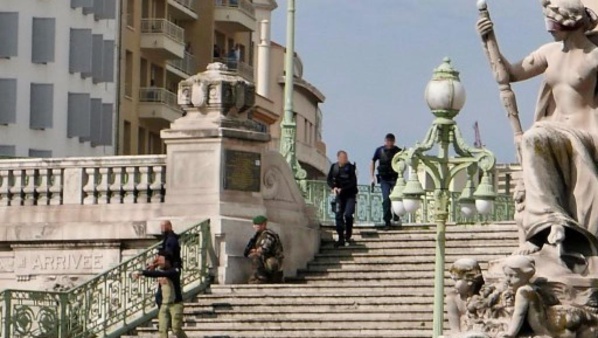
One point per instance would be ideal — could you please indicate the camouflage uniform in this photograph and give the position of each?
(267, 266)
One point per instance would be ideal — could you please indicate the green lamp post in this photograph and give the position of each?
(288, 126)
(445, 97)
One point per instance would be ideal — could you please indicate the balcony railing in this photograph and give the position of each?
(369, 207)
(163, 26)
(189, 4)
(241, 68)
(243, 5)
(158, 95)
(186, 65)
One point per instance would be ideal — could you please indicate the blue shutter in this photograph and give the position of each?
(9, 34)
(8, 101)
(43, 40)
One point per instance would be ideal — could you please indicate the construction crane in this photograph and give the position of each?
(478, 139)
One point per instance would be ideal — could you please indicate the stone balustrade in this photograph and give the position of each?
(102, 180)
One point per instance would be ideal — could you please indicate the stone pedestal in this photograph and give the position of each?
(218, 167)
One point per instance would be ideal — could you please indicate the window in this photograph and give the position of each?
(109, 9)
(80, 51)
(8, 151)
(42, 40)
(9, 33)
(37, 153)
(8, 101)
(127, 139)
(98, 9)
(41, 107)
(131, 13)
(155, 143)
(79, 115)
(141, 142)
(108, 61)
(129, 74)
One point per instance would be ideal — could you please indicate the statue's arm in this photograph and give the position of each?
(453, 313)
(522, 300)
(531, 66)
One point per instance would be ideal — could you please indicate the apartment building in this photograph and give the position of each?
(166, 41)
(57, 77)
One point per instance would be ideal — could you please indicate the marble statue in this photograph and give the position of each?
(559, 152)
(549, 286)
(467, 275)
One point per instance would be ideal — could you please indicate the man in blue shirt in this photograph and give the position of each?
(387, 177)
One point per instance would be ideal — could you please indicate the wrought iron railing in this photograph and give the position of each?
(163, 26)
(108, 305)
(369, 207)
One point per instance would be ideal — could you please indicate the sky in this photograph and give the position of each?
(372, 59)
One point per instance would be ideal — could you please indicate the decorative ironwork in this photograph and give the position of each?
(107, 305)
(369, 207)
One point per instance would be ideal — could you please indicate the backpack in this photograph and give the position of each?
(277, 249)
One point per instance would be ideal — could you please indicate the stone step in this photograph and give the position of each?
(283, 324)
(482, 236)
(424, 253)
(314, 288)
(194, 309)
(349, 261)
(422, 245)
(307, 317)
(272, 332)
(311, 299)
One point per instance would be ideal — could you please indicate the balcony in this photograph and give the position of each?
(162, 38)
(158, 103)
(182, 9)
(235, 15)
(184, 67)
(239, 67)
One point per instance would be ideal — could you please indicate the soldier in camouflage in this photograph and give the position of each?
(266, 253)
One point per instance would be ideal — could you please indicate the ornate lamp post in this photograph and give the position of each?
(288, 127)
(445, 96)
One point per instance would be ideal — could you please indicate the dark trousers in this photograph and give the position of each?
(386, 186)
(344, 217)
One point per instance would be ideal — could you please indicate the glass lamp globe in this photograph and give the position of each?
(411, 204)
(445, 91)
(468, 209)
(398, 208)
(484, 206)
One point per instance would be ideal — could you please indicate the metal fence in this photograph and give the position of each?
(369, 207)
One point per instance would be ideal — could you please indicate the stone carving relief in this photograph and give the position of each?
(217, 91)
(278, 182)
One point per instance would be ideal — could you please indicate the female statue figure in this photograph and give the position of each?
(559, 153)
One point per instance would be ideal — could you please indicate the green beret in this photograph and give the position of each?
(260, 219)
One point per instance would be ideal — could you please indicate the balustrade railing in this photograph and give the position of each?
(108, 305)
(244, 5)
(163, 26)
(369, 207)
(186, 64)
(103, 180)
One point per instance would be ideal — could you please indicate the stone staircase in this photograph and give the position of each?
(381, 286)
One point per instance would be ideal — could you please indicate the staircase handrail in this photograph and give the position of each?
(109, 304)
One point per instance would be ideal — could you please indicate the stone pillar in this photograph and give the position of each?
(263, 60)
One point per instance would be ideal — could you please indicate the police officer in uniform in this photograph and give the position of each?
(343, 182)
(387, 177)
(266, 253)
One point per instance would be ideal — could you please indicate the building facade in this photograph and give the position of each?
(57, 77)
(166, 41)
